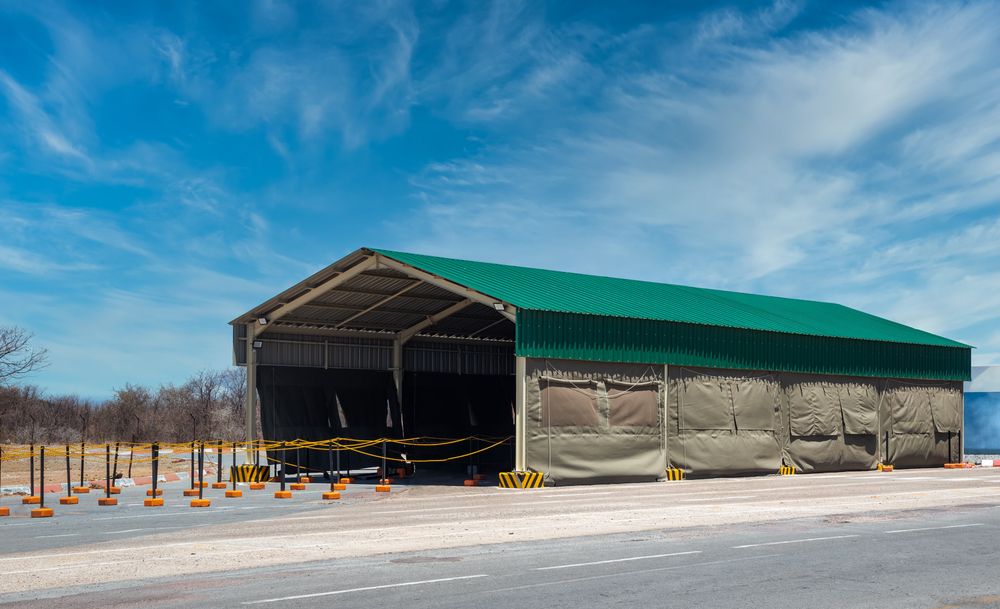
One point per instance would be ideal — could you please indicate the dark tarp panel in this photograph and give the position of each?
(313, 404)
(447, 405)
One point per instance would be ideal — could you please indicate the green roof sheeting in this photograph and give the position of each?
(556, 291)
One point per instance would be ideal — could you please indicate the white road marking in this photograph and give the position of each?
(953, 526)
(778, 543)
(364, 589)
(60, 535)
(614, 560)
(717, 498)
(618, 575)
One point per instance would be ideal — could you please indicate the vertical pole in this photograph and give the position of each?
(201, 471)
(69, 481)
(663, 417)
(31, 466)
(338, 464)
(41, 475)
(397, 377)
(131, 452)
(192, 463)
(520, 423)
(232, 478)
(298, 464)
(114, 470)
(961, 433)
(281, 464)
(218, 463)
(385, 473)
(156, 465)
(83, 452)
(107, 470)
(329, 459)
(250, 403)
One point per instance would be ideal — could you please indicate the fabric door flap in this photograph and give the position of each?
(946, 408)
(705, 403)
(813, 410)
(753, 403)
(569, 403)
(633, 405)
(858, 404)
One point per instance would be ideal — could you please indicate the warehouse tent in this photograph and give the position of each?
(598, 378)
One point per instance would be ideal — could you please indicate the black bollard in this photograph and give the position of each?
(31, 466)
(218, 464)
(83, 453)
(201, 471)
(41, 474)
(69, 483)
(281, 464)
(192, 463)
(107, 471)
(155, 450)
(232, 477)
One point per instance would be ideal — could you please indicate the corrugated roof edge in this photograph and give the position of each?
(952, 343)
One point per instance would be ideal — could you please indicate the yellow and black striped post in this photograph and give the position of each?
(248, 473)
(521, 479)
(786, 470)
(674, 474)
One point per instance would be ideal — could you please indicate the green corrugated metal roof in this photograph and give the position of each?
(544, 290)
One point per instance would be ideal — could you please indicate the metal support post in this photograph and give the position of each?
(520, 423)
(250, 401)
(31, 467)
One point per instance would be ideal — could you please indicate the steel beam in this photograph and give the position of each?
(379, 303)
(412, 331)
(316, 291)
(508, 312)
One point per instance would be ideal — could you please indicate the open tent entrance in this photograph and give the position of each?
(370, 348)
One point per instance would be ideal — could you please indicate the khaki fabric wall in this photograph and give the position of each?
(591, 421)
(723, 422)
(921, 423)
(830, 423)
(594, 422)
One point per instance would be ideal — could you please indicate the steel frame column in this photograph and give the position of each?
(520, 423)
(250, 402)
(397, 377)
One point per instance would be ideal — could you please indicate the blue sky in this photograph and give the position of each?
(164, 167)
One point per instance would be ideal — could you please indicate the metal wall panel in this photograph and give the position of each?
(459, 358)
(618, 339)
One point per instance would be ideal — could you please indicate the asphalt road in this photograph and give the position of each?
(933, 557)
(928, 560)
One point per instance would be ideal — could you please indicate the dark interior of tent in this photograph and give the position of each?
(321, 404)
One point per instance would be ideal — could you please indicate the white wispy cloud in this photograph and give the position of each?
(791, 165)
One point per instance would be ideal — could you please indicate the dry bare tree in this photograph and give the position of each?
(17, 356)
